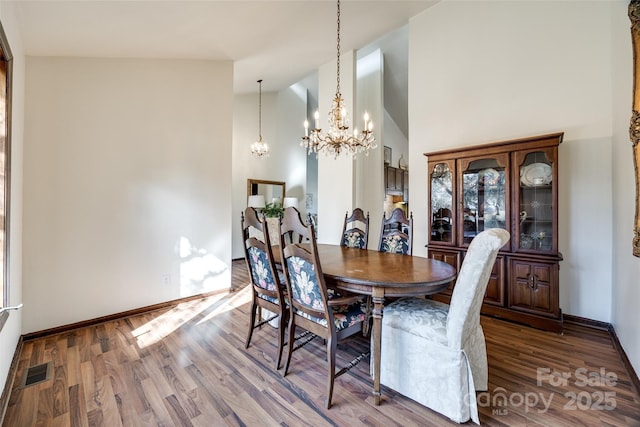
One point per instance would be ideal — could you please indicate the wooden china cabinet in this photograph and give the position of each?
(511, 185)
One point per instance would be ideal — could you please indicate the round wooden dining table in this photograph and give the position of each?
(381, 274)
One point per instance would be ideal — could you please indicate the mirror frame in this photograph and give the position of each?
(251, 182)
(634, 128)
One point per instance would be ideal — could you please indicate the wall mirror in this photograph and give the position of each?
(266, 192)
(634, 129)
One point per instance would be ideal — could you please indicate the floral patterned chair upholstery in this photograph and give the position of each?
(355, 231)
(396, 234)
(313, 306)
(435, 353)
(269, 291)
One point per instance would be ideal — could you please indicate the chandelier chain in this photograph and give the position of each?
(260, 148)
(338, 48)
(260, 111)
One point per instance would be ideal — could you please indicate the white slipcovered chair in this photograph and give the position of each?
(435, 353)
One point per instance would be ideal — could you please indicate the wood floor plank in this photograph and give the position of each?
(77, 407)
(181, 394)
(208, 416)
(133, 373)
(186, 365)
(208, 390)
(63, 420)
(89, 382)
(157, 403)
(45, 407)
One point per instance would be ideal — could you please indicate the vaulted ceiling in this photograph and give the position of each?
(278, 41)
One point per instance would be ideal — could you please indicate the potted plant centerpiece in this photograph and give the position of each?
(273, 210)
(273, 213)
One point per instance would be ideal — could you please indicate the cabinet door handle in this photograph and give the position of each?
(531, 281)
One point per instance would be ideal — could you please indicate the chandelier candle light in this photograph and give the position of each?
(338, 138)
(260, 148)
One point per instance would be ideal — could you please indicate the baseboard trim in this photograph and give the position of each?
(604, 326)
(590, 323)
(11, 376)
(116, 316)
(625, 360)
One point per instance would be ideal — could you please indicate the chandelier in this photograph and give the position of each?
(260, 148)
(338, 138)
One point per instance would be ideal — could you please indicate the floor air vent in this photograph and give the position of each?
(37, 374)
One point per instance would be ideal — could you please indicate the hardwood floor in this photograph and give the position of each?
(187, 366)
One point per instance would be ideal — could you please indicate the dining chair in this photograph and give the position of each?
(268, 290)
(355, 230)
(396, 233)
(314, 307)
(435, 353)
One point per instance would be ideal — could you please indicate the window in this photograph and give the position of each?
(6, 67)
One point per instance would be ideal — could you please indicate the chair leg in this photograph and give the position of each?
(331, 356)
(252, 322)
(290, 344)
(282, 326)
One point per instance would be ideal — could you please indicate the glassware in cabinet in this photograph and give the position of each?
(536, 227)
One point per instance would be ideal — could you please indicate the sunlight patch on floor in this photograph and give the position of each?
(233, 301)
(165, 324)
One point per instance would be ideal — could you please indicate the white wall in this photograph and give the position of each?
(283, 116)
(395, 139)
(127, 178)
(626, 268)
(291, 112)
(369, 171)
(12, 330)
(483, 71)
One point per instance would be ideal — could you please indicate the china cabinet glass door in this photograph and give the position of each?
(484, 188)
(536, 226)
(442, 203)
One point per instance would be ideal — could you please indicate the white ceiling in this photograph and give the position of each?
(280, 42)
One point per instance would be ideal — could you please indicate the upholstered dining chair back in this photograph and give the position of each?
(471, 284)
(396, 233)
(303, 273)
(312, 305)
(268, 291)
(355, 231)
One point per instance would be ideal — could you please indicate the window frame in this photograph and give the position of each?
(6, 86)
